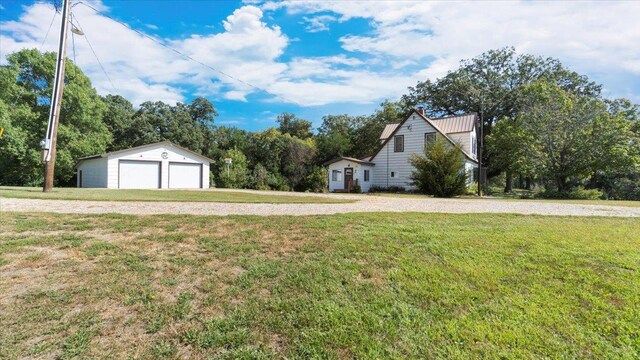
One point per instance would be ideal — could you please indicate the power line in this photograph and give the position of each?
(183, 54)
(94, 54)
(48, 30)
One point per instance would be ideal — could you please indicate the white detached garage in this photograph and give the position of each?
(162, 165)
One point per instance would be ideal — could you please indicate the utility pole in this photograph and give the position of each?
(481, 143)
(50, 140)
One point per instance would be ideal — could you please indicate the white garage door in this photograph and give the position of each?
(185, 176)
(139, 174)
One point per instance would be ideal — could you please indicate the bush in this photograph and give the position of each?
(316, 181)
(390, 189)
(356, 189)
(236, 174)
(473, 189)
(579, 193)
(441, 171)
(622, 187)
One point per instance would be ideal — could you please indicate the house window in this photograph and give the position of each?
(366, 175)
(398, 143)
(335, 175)
(474, 146)
(429, 138)
(393, 174)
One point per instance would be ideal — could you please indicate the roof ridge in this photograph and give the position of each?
(452, 116)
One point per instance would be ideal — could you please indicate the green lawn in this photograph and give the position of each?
(345, 286)
(502, 197)
(159, 195)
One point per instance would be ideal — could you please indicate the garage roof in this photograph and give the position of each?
(166, 142)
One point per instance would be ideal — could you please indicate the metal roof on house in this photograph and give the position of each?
(456, 123)
(436, 125)
(388, 130)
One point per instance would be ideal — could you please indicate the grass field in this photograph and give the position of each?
(358, 285)
(502, 197)
(159, 195)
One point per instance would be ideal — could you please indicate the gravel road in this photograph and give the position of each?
(363, 204)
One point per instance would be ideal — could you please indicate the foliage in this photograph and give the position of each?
(577, 194)
(317, 180)
(490, 85)
(440, 172)
(26, 83)
(567, 137)
(386, 189)
(624, 186)
(234, 175)
(511, 147)
(290, 124)
(297, 160)
(355, 136)
(118, 118)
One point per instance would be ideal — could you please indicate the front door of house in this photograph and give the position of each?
(348, 179)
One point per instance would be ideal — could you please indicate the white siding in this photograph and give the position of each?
(465, 140)
(462, 139)
(94, 173)
(414, 129)
(155, 154)
(358, 174)
(388, 161)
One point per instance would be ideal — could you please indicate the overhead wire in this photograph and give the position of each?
(53, 18)
(94, 53)
(186, 56)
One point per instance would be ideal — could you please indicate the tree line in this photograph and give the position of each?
(542, 122)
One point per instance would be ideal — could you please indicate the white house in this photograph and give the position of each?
(162, 165)
(345, 172)
(390, 165)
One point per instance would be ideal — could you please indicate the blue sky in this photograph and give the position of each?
(315, 58)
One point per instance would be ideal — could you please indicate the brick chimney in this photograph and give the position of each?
(421, 110)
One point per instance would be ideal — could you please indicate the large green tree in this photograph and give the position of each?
(188, 125)
(118, 118)
(356, 136)
(568, 137)
(490, 85)
(25, 95)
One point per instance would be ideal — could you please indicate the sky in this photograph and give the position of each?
(315, 58)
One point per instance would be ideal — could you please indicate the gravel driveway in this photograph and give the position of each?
(363, 204)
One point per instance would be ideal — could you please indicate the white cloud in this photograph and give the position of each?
(590, 37)
(141, 69)
(409, 41)
(318, 23)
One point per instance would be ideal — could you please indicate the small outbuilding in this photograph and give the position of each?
(162, 165)
(346, 172)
